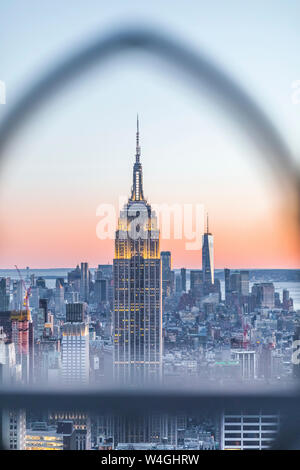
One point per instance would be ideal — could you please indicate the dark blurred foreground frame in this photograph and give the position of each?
(199, 70)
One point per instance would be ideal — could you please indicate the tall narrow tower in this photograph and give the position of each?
(137, 288)
(207, 259)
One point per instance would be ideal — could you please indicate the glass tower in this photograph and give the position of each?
(207, 260)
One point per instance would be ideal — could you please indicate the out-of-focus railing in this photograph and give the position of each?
(135, 403)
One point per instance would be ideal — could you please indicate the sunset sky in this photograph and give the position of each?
(78, 150)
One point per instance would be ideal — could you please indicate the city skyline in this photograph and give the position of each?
(138, 323)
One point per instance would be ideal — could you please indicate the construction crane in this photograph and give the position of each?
(26, 296)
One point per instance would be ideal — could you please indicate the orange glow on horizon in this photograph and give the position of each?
(55, 241)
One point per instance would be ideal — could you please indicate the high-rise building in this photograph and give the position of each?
(138, 312)
(101, 290)
(285, 299)
(178, 283)
(104, 271)
(48, 360)
(40, 282)
(235, 282)
(12, 421)
(4, 293)
(196, 281)
(296, 338)
(166, 270)
(264, 294)
(137, 289)
(244, 430)
(10, 372)
(41, 436)
(227, 285)
(155, 429)
(74, 278)
(81, 422)
(183, 279)
(39, 323)
(18, 295)
(43, 304)
(207, 259)
(75, 348)
(84, 282)
(75, 312)
(247, 361)
(14, 429)
(34, 298)
(21, 332)
(244, 283)
(59, 295)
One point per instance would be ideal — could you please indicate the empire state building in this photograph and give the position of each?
(137, 288)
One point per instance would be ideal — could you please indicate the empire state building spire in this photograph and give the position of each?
(138, 148)
(137, 188)
(137, 316)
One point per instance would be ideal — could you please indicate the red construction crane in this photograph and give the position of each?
(246, 328)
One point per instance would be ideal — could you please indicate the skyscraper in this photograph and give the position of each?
(101, 290)
(207, 259)
(166, 271)
(4, 293)
(255, 430)
(196, 279)
(22, 334)
(264, 294)
(43, 304)
(227, 285)
(137, 288)
(75, 346)
(74, 278)
(84, 282)
(12, 421)
(59, 298)
(183, 279)
(244, 283)
(75, 312)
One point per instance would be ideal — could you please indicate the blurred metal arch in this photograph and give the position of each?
(243, 109)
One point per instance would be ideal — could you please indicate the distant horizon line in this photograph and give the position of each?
(181, 267)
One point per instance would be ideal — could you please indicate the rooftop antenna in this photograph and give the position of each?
(138, 148)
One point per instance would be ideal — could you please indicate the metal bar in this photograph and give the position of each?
(137, 402)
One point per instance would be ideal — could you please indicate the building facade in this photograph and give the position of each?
(166, 269)
(207, 260)
(75, 353)
(137, 289)
(255, 431)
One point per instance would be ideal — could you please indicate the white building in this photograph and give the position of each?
(241, 431)
(75, 353)
(13, 422)
(247, 360)
(14, 429)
